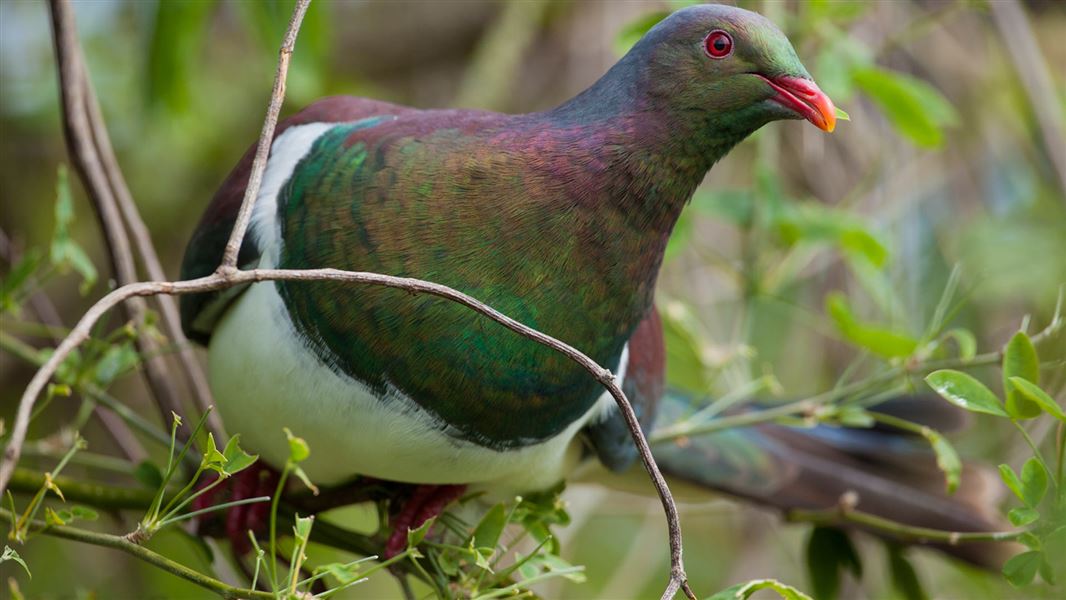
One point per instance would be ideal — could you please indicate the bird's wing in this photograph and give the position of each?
(199, 312)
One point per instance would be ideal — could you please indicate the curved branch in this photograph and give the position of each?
(228, 278)
(85, 155)
(266, 137)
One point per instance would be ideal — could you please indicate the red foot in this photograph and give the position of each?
(425, 502)
(235, 522)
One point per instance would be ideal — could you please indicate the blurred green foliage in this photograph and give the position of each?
(928, 226)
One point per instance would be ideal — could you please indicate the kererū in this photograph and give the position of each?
(558, 219)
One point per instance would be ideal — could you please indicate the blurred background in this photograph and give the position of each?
(954, 157)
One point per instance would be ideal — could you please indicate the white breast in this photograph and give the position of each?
(264, 379)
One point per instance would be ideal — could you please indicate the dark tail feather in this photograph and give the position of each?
(892, 474)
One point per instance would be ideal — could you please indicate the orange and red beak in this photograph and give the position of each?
(803, 96)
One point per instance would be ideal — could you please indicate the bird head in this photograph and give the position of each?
(730, 65)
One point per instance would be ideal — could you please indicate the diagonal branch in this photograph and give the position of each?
(224, 279)
(266, 136)
(194, 374)
(74, 89)
(227, 275)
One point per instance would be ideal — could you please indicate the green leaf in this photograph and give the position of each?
(302, 528)
(1047, 570)
(965, 340)
(1022, 515)
(17, 277)
(415, 536)
(488, 531)
(53, 518)
(947, 460)
(1021, 568)
(343, 573)
(904, 578)
(829, 553)
(913, 107)
(65, 253)
(964, 391)
(212, 458)
(1032, 393)
(879, 340)
(116, 361)
(840, 114)
(634, 30)
(809, 222)
(10, 554)
(1034, 482)
(1020, 360)
(854, 416)
(1010, 478)
(237, 459)
(742, 591)
(481, 558)
(84, 513)
(298, 448)
(302, 476)
(178, 31)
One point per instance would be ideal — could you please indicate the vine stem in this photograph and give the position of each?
(119, 543)
(690, 427)
(905, 533)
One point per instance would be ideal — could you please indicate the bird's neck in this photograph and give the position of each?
(643, 162)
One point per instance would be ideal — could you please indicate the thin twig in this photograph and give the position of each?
(227, 276)
(194, 374)
(87, 161)
(227, 279)
(266, 136)
(899, 531)
(120, 543)
(49, 316)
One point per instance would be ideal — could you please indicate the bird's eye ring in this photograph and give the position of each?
(718, 44)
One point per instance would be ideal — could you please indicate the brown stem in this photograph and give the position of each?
(228, 278)
(266, 136)
(194, 374)
(84, 154)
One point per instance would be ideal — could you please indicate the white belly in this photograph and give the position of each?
(265, 379)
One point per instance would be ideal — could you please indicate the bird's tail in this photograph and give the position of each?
(888, 472)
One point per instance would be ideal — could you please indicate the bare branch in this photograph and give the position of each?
(194, 374)
(227, 276)
(227, 279)
(266, 137)
(73, 86)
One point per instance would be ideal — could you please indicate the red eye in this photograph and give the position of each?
(718, 44)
